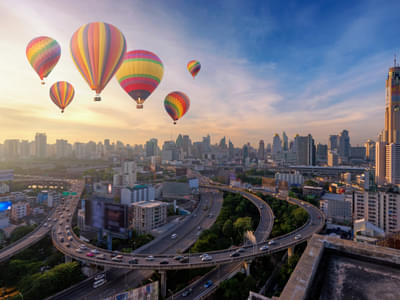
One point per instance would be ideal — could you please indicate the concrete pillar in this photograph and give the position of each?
(68, 259)
(163, 284)
(290, 251)
(246, 266)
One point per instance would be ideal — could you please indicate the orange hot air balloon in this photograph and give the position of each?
(62, 93)
(98, 50)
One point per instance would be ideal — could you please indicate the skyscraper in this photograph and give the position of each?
(261, 150)
(285, 141)
(40, 145)
(276, 144)
(387, 161)
(344, 146)
(152, 147)
(305, 150)
(333, 142)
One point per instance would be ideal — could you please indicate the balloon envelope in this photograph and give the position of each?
(176, 104)
(43, 54)
(62, 93)
(98, 50)
(193, 67)
(140, 74)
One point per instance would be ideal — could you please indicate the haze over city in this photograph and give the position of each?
(304, 68)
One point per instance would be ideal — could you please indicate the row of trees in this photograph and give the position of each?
(236, 217)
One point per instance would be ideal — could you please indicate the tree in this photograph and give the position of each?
(21, 232)
(227, 230)
(242, 224)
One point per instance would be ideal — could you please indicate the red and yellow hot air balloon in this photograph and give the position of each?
(140, 74)
(43, 54)
(98, 50)
(62, 93)
(176, 104)
(193, 67)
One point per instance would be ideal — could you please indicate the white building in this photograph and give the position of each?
(4, 188)
(378, 208)
(127, 175)
(148, 215)
(337, 207)
(367, 232)
(20, 210)
(137, 193)
(291, 178)
(393, 163)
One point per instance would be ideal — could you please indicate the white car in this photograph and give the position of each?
(271, 242)
(297, 236)
(45, 224)
(204, 254)
(94, 251)
(78, 250)
(173, 236)
(206, 258)
(264, 248)
(150, 258)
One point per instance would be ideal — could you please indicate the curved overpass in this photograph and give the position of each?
(315, 224)
(33, 237)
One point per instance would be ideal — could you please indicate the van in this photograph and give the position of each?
(98, 283)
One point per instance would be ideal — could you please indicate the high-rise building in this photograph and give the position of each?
(40, 145)
(24, 149)
(333, 142)
(276, 144)
(370, 150)
(222, 143)
(305, 150)
(61, 148)
(322, 153)
(152, 147)
(169, 151)
(285, 142)
(186, 146)
(11, 149)
(387, 158)
(333, 158)
(261, 150)
(344, 146)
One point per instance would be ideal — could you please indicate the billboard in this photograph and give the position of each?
(105, 215)
(6, 175)
(5, 205)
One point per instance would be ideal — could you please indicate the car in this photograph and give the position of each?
(116, 258)
(206, 258)
(89, 254)
(99, 276)
(264, 248)
(271, 242)
(60, 232)
(62, 240)
(241, 250)
(49, 219)
(184, 260)
(178, 257)
(98, 283)
(60, 223)
(113, 254)
(150, 258)
(83, 247)
(198, 227)
(67, 227)
(133, 261)
(187, 292)
(70, 238)
(68, 245)
(208, 284)
(204, 254)
(297, 236)
(45, 224)
(173, 236)
(78, 250)
(164, 262)
(94, 251)
(234, 254)
(100, 256)
(69, 233)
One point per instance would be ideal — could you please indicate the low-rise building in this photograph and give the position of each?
(291, 178)
(137, 193)
(367, 232)
(19, 210)
(337, 207)
(147, 215)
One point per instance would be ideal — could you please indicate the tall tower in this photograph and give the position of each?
(392, 109)
(387, 163)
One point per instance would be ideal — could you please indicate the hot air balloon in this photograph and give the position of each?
(98, 50)
(62, 93)
(193, 67)
(176, 104)
(139, 74)
(43, 54)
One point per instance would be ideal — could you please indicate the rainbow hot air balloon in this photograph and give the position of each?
(140, 74)
(176, 104)
(62, 93)
(43, 54)
(193, 67)
(98, 50)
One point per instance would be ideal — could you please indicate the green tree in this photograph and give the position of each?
(227, 230)
(242, 224)
(20, 232)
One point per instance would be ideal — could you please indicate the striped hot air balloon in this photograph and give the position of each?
(140, 74)
(98, 50)
(176, 104)
(62, 93)
(43, 54)
(193, 67)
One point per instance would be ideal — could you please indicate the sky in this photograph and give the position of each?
(267, 66)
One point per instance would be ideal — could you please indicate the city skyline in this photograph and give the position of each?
(242, 91)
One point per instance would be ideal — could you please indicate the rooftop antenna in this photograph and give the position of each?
(395, 60)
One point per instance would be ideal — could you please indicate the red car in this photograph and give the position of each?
(90, 254)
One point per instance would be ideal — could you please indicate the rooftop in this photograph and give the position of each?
(149, 204)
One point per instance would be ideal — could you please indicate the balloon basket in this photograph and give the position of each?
(97, 98)
(139, 106)
(174, 122)
(43, 83)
